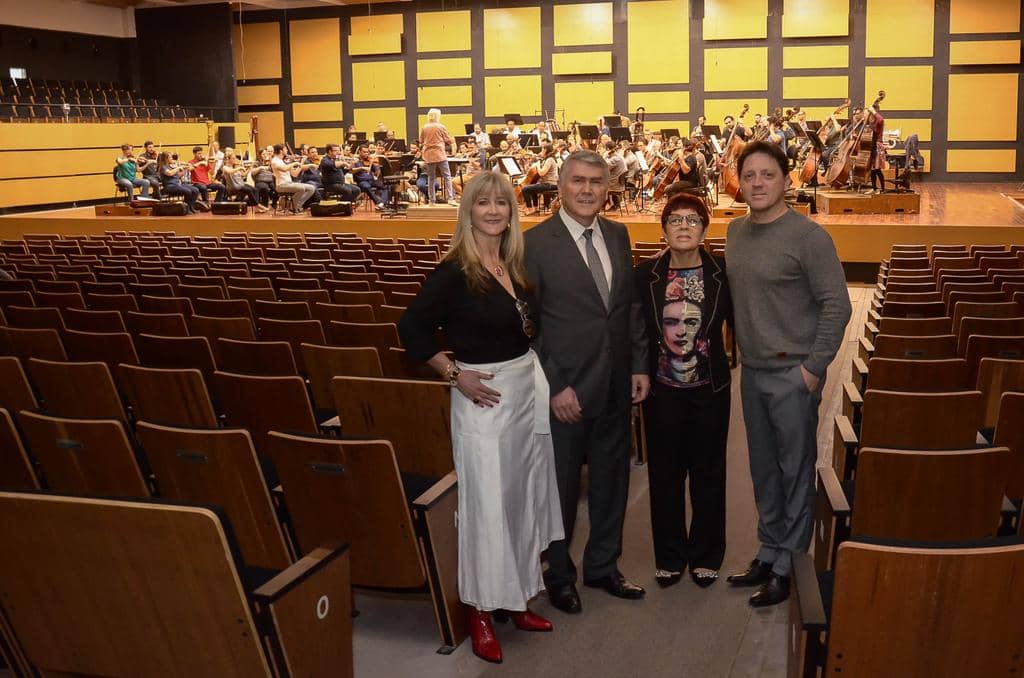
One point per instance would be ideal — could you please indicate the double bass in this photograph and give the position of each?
(857, 144)
(813, 159)
(730, 172)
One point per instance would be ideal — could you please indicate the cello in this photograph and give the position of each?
(813, 159)
(842, 166)
(730, 172)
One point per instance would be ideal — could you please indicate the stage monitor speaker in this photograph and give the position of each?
(169, 209)
(225, 137)
(331, 208)
(235, 208)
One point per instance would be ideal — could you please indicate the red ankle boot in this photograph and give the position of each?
(485, 643)
(528, 621)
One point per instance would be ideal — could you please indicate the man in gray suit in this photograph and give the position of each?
(593, 351)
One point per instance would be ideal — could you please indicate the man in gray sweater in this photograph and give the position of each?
(792, 306)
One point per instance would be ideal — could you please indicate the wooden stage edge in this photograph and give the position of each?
(861, 242)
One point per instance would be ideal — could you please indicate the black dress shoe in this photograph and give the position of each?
(565, 598)
(704, 577)
(617, 585)
(666, 578)
(755, 575)
(772, 592)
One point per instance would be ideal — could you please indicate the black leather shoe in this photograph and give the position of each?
(565, 598)
(617, 585)
(666, 578)
(755, 575)
(772, 592)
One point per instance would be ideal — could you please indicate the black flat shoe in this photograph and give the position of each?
(617, 585)
(565, 598)
(772, 592)
(666, 578)
(704, 578)
(755, 574)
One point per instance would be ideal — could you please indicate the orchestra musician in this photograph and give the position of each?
(729, 123)
(603, 129)
(472, 167)
(511, 129)
(263, 180)
(127, 168)
(434, 144)
(216, 157)
(234, 174)
(547, 172)
(171, 177)
(542, 132)
(202, 177)
(367, 175)
(689, 162)
(149, 170)
(878, 148)
(332, 172)
(616, 172)
(285, 173)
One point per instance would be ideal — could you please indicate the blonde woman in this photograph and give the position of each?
(509, 508)
(434, 144)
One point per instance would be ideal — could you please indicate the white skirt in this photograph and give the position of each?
(509, 509)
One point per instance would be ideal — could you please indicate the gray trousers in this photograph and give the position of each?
(781, 418)
(604, 442)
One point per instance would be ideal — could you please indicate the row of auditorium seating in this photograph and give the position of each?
(87, 102)
(239, 410)
(918, 516)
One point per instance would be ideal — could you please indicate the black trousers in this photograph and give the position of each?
(603, 441)
(686, 432)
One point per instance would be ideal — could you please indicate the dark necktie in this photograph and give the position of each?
(596, 269)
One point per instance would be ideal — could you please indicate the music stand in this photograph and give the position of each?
(669, 132)
(396, 145)
(588, 132)
(510, 166)
(711, 131)
(620, 134)
(528, 140)
(468, 127)
(613, 120)
(462, 138)
(380, 136)
(813, 125)
(561, 134)
(360, 136)
(514, 117)
(496, 139)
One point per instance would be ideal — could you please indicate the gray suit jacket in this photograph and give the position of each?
(582, 344)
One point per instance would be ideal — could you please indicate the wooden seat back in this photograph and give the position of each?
(380, 336)
(929, 495)
(1002, 309)
(934, 347)
(161, 324)
(176, 397)
(894, 296)
(925, 309)
(268, 358)
(76, 389)
(176, 353)
(93, 321)
(112, 302)
(16, 470)
(323, 363)
(219, 467)
(32, 343)
(380, 408)
(915, 327)
(282, 310)
(1009, 431)
(15, 391)
(356, 313)
(996, 376)
(921, 376)
(112, 348)
(83, 456)
(35, 318)
(995, 327)
(920, 421)
(985, 346)
(264, 404)
(350, 491)
(222, 308)
(295, 332)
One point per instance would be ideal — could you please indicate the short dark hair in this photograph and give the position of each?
(147, 143)
(610, 145)
(331, 147)
(196, 149)
(278, 148)
(774, 151)
(685, 201)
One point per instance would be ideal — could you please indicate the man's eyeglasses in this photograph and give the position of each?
(529, 327)
(689, 221)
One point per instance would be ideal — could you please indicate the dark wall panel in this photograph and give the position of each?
(56, 55)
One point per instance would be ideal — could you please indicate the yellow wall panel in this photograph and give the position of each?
(455, 122)
(984, 52)
(378, 81)
(447, 95)
(815, 87)
(271, 127)
(585, 101)
(512, 38)
(512, 94)
(443, 31)
(364, 45)
(257, 95)
(315, 46)
(661, 22)
(444, 69)
(981, 160)
(735, 19)
(659, 102)
(736, 68)
(33, 136)
(316, 111)
(366, 119)
(815, 18)
(982, 107)
(581, 63)
(907, 88)
(257, 50)
(378, 24)
(59, 189)
(900, 28)
(819, 56)
(984, 16)
(584, 24)
(922, 127)
(715, 110)
(320, 137)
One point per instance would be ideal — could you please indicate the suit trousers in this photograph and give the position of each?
(687, 430)
(781, 417)
(603, 442)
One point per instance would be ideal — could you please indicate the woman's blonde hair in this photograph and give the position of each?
(463, 249)
(434, 115)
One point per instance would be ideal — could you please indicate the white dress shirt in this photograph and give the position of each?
(576, 231)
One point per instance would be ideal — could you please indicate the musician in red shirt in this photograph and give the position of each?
(201, 176)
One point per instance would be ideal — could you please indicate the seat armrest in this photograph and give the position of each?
(844, 446)
(860, 373)
(865, 349)
(852, 401)
(874, 316)
(870, 331)
(436, 492)
(834, 492)
(811, 607)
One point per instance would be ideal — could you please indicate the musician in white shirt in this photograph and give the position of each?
(284, 175)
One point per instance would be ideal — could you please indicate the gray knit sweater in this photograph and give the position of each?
(789, 293)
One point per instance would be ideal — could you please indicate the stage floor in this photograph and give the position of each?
(950, 214)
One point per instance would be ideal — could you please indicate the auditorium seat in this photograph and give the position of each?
(93, 321)
(899, 374)
(17, 471)
(165, 324)
(78, 390)
(266, 358)
(229, 328)
(928, 347)
(352, 313)
(322, 363)
(158, 567)
(282, 310)
(25, 343)
(222, 308)
(112, 348)
(295, 332)
(191, 352)
(380, 335)
(35, 317)
(981, 346)
(15, 391)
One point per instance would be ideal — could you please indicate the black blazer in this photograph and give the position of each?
(581, 343)
(651, 279)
